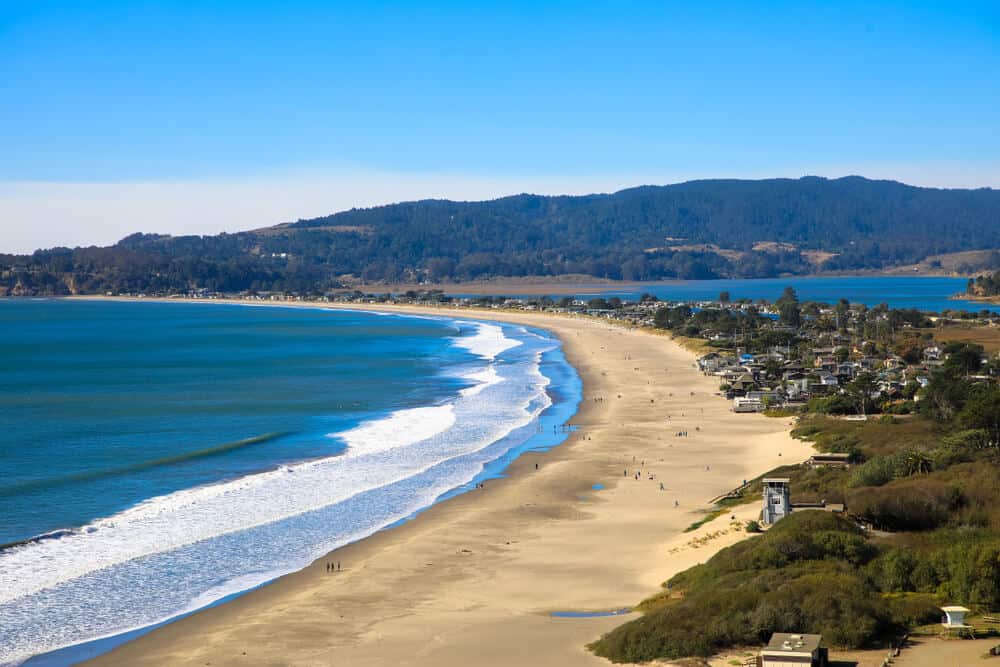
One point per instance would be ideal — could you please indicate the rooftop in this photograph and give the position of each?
(785, 643)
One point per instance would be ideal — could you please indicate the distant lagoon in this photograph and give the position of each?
(933, 294)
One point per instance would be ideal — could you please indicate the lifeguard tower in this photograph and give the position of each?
(777, 499)
(953, 621)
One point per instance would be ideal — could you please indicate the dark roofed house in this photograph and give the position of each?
(833, 459)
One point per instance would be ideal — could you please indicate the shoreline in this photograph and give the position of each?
(554, 562)
(992, 300)
(536, 352)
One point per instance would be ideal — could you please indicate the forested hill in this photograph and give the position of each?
(698, 229)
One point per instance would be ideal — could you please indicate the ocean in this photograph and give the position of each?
(159, 457)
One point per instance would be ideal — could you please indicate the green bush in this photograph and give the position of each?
(873, 472)
(913, 609)
(909, 504)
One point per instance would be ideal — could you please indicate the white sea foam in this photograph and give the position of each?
(181, 551)
(399, 429)
(488, 341)
(485, 378)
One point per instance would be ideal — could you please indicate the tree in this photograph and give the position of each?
(963, 358)
(944, 396)
(982, 412)
(842, 310)
(788, 308)
(861, 390)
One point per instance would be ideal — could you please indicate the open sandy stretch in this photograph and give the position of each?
(473, 579)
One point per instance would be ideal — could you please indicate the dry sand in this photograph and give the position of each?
(472, 580)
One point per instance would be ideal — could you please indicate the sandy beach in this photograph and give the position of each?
(473, 580)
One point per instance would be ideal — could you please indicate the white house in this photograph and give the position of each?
(744, 404)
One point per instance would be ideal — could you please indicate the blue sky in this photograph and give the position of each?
(159, 116)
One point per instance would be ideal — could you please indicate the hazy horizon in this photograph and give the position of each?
(242, 206)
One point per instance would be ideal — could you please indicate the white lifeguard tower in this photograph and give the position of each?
(954, 620)
(777, 500)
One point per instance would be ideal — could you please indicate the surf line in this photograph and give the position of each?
(93, 475)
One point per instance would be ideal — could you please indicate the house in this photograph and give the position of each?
(800, 381)
(777, 499)
(742, 404)
(827, 379)
(712, 362)
(845, 370)
(791, 649)
(792, 367)
(826, 363)
(822, 383)
(741, 385)
(932, 353)
(765, 396)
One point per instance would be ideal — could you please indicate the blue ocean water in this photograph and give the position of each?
(173, 454)
(932, 294)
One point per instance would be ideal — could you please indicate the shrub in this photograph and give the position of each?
(874, 472)
(912, 609)
(911, 504)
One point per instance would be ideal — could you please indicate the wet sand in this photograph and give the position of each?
(473, 580)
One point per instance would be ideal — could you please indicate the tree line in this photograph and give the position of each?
(645, 233)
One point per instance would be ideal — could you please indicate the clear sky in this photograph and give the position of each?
(198, 117)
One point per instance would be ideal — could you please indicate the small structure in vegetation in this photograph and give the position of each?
(789, 649)
(954, 616)
(954, 619)
(777, 500)
(833, 459)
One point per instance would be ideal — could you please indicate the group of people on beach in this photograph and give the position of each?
(333, 567)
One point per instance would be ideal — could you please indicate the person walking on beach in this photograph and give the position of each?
(338, 566)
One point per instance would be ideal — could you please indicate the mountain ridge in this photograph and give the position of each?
(707, 228)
